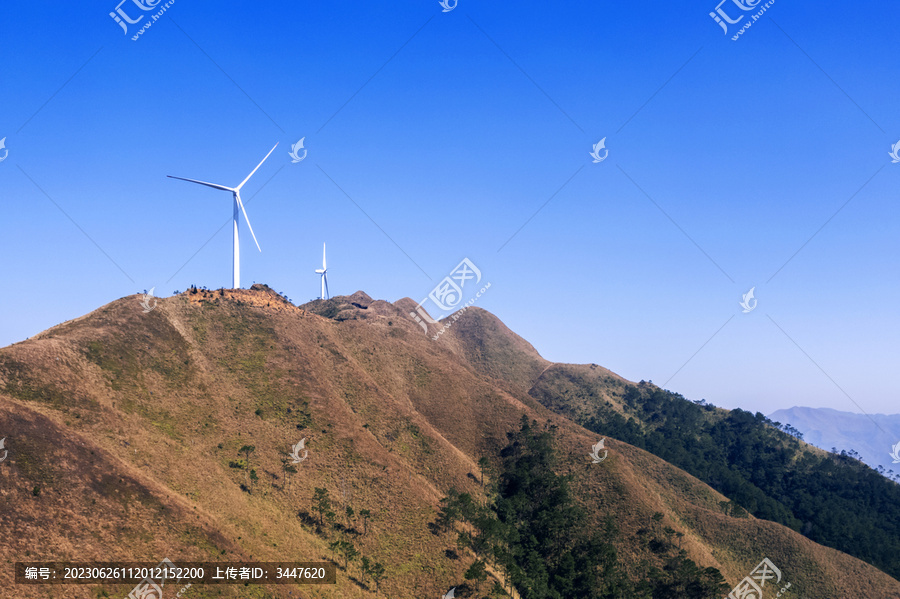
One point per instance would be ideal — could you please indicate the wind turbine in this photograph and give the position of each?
(323, 272)
(236, 193)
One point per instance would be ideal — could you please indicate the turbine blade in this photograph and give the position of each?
(323, 258)
(325, 278)
(238, 188)
(213, 185)
(246, 218)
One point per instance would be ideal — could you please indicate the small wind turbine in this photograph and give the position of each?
(323, 272)
(236, 193)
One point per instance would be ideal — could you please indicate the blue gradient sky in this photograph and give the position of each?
(451, 130)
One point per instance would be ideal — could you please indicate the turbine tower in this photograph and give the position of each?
(236, 193)
(323, 273)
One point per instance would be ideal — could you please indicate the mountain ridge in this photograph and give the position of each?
(393, 420)
(873, 436)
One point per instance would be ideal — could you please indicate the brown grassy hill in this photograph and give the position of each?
(129, 425)
(480, 339)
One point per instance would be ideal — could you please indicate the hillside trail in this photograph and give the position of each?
(509, 589)
(538, 377)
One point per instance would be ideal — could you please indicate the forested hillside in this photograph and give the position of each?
(832, 499)
(533, 528)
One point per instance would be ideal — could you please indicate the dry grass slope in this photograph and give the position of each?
(130, 424)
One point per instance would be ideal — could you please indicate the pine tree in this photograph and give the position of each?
(321, 503)
(477, 572)
(364, 568)
(483, 465)
(377, 574)
(365, 515)
(247, 450)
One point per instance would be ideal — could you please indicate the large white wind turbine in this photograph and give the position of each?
(236, 193)
(323, 272)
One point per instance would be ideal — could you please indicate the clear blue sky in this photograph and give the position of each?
(451, 130)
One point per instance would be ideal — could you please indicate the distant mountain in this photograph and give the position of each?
(872, 437)
(135, 435)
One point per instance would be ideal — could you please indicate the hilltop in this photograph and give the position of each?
(125, 432)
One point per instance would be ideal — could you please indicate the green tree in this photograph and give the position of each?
(483, 464)
(335, 547)
(365, 515)
(364, 566)
(247, 450)
(321, 503)
(377, 574)
(448, 515)
(477, 572)
(349, 553)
